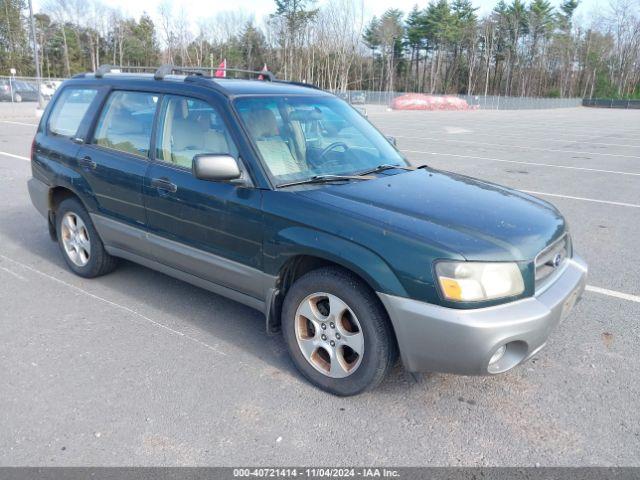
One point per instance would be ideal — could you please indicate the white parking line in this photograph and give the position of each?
(608, 202)
(613, 293)
(19, 123)
(522, 147)
(576, 125)
(566, 167)
(113, 304)
(515, 123)
(498, 130)
(495, 133)
(562, 128)
(12, 273)
(12, 155)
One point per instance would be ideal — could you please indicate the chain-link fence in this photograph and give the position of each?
(482, 102)
(25, 89)
(611, 103)
(496, 102)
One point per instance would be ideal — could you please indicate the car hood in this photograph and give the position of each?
(475, 219)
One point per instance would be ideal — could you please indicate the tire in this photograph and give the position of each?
(81, 247)
(361, 322)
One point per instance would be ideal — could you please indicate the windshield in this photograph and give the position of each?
(302, 137)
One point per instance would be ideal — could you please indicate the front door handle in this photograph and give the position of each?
(164, 184)
(86, 162)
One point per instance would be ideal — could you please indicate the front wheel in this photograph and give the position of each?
(337, 332)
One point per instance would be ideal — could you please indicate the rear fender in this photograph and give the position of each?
(66, 177)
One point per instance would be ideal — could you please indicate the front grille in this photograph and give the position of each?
(552, 259)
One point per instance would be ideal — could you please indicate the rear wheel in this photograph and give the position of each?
(79, 242)
(337, 332)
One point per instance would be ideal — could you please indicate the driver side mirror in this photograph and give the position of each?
(216, 168)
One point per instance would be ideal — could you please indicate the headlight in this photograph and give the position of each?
(475, 281)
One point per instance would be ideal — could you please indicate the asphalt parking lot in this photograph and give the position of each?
(136, 368)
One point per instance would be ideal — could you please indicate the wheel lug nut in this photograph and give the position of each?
(324, 326)
(332, 343)
(324, 337)
(338, 336)
(333, 325)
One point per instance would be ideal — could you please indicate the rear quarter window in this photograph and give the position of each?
(69, 110)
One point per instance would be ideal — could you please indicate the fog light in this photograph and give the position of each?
(498, 355)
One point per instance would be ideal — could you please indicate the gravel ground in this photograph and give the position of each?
(136, 368)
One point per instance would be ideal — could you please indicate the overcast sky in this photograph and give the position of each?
(198, 9)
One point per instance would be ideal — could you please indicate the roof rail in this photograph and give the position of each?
(266, 74)
(159, 73)
(162, 71)
(201, 71)
(99, 73)
(104, 69)
(299, 84)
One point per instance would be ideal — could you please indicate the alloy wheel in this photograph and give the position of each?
(75, 239)
(329, 335)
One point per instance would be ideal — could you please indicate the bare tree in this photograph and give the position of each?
(523, 47)
(59, 10)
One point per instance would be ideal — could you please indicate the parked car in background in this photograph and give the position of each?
(283, 197)
(20, 90)
(5, 90)
(357, 98)
(354, 98)
(47, 89)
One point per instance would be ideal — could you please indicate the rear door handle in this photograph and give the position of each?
(86, 162)
(164, 184)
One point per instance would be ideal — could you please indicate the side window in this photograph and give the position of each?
(69, 110)
(190, 127)
(281, 144)
(126, 122)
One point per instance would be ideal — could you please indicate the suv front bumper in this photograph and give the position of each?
(438, 339)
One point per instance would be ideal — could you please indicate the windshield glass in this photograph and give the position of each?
(301, 137)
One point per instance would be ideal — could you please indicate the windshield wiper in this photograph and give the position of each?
(323, 179)
(383, 167)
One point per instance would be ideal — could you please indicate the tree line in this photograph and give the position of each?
(444, 46)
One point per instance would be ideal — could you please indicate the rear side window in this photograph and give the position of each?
(69, 110)
(126, 122)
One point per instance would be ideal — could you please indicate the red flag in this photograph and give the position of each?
(264, 69)
(222, 69)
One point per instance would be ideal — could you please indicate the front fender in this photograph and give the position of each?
(299, 240)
